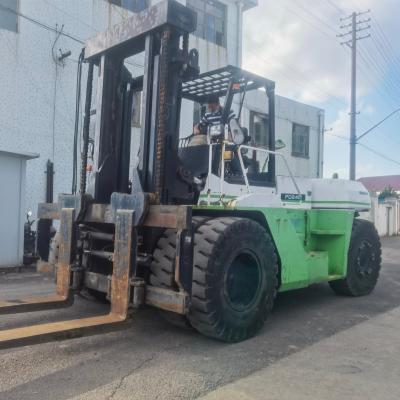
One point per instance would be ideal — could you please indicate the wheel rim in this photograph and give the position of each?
(365, 259)
(243, 280)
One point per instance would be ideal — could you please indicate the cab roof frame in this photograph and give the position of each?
(217, 82)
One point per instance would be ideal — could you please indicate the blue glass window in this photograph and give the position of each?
(211, 20)
(131, 5)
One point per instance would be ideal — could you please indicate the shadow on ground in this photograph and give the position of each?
(160, 360)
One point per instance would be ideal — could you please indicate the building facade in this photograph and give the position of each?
(40, 42)
(385, 209)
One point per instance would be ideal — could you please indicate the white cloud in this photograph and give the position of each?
(296, 46)
(294, 43)
(341, 126)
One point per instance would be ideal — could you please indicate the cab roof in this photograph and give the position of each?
(217, 82)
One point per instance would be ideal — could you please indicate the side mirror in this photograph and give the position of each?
(279, 144)
(238, 135)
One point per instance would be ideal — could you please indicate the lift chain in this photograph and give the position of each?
(163, 113)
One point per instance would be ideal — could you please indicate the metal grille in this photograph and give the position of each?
(216, 82)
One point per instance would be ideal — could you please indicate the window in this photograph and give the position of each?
(136, 109)
(211, 20)
(300, 140)
(259, 130)
(256, 163)
(8, 15)
(131, 5)
(198, 112)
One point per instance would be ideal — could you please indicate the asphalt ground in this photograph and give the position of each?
(154, 360)
(359, 363)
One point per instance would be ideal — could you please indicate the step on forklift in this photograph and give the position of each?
(208, 234)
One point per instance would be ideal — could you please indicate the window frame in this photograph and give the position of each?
(17, 4)
(120, 3)
(263, 116)
(206, 18)
(306, 135)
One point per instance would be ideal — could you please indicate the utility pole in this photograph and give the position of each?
(355, 27)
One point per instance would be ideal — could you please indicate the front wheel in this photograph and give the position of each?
(364, 261)
(234, 278)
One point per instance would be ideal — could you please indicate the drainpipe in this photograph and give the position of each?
(321, 130)
(239, 33)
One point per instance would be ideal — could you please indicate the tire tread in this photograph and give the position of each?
(348, 286)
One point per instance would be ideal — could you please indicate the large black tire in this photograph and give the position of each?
(234, 278)
(364, 261)
(162, 269)
(163, 265)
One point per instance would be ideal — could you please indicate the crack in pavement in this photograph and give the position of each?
(141, 365)
(122, 379)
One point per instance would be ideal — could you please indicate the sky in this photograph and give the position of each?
(294, 43)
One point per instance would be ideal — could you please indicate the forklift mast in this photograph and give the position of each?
(103, 244)
(161, 32)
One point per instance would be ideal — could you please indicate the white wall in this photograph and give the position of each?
(12, 198)
(36, 95)
(288, 112)
(385, 216)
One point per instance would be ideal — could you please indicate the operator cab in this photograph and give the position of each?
(226, 150)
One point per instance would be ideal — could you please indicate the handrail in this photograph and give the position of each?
(243, 146)
(246, 180)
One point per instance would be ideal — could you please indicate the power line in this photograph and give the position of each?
(377, 124)
(384, 57)
(379, 154)
(335, 6)
(135, 64)
(366, 147)
(330, 96)
(51, 4)
(316, 17)
(49, 28)
(385, 39)
(332, 99)
(41, 24)
(32, 80)
(309, 13)
(383, 86)
(304, 81)
(337, 136)
(308, 22)
(55, 90)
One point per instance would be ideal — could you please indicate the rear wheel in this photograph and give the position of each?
(364, 261)
(234, 278)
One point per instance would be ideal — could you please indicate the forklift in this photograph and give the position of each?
(207, 234)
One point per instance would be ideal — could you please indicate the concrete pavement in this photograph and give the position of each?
(360, 363)
(154, 360)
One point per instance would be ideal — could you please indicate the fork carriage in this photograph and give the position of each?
(122, 287)
(102, 227)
